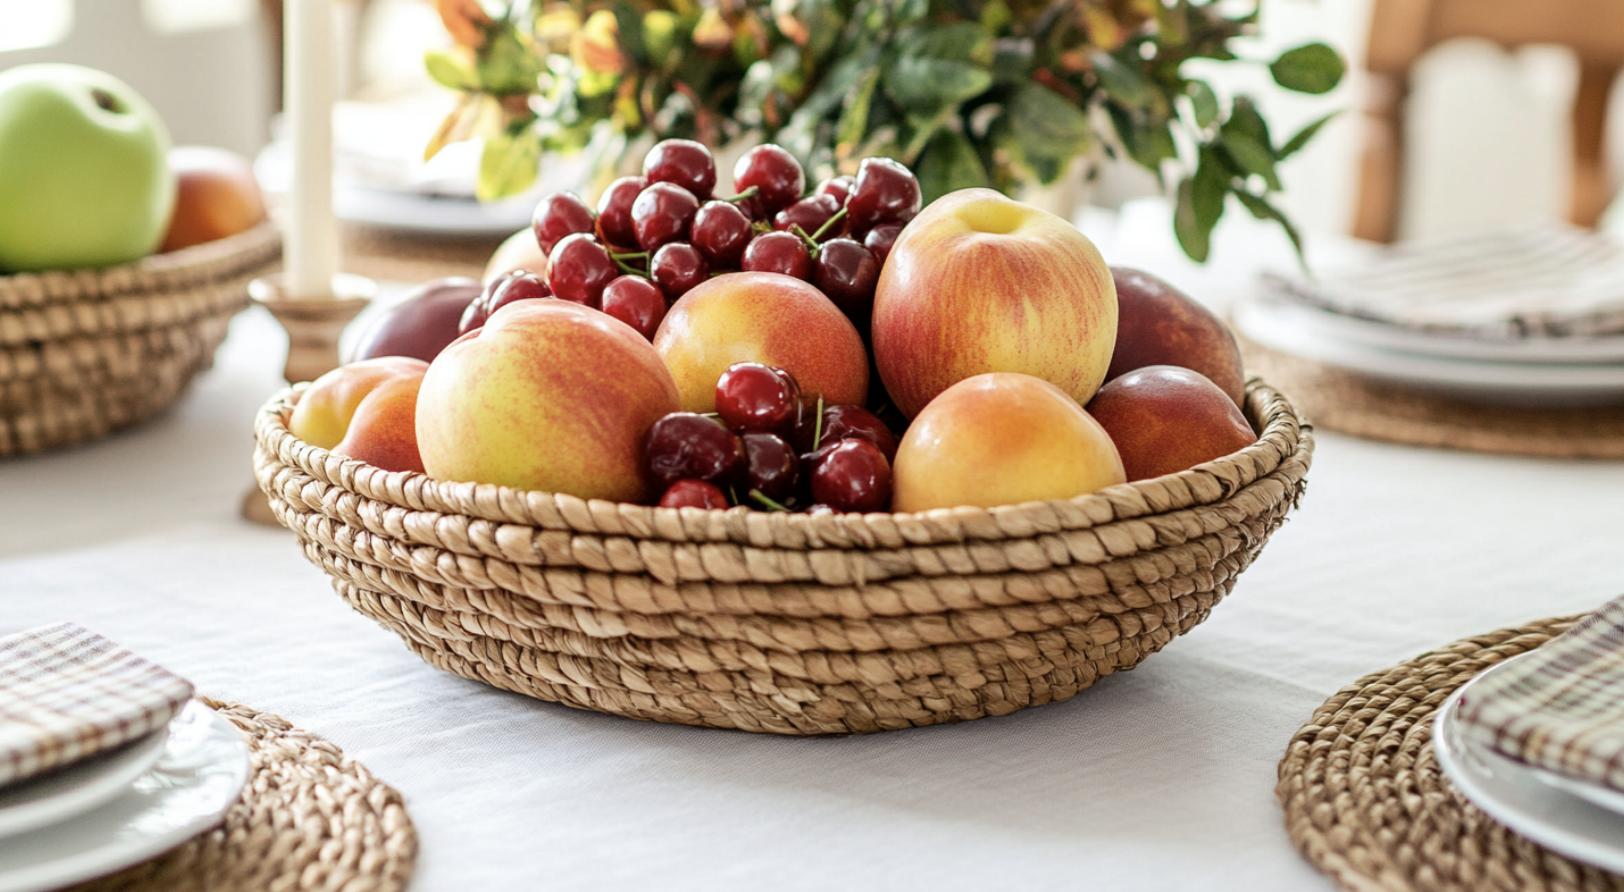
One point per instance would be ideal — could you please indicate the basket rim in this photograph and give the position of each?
(1284, 434)
(208, 262)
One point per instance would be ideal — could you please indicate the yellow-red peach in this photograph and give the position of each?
(549, 395)
(768, 318)
(1165, 419)
(1158, 324)
(325, 409)
(979, 283)
(1001, 439)
(216, 195)
(383, 431)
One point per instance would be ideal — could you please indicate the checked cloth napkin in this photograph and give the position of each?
(1560, 708)
(67, 693)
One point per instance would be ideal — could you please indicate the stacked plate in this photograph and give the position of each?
(1534, 317)
(1579, 818)
(122, 807)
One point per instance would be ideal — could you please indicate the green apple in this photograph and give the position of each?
(83, 176)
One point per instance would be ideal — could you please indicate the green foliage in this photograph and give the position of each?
(966, 92)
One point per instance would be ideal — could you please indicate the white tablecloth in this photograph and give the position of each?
(1162, 778)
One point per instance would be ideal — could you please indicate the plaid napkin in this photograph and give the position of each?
(67, 693)
(1552, 280)
(1560, 708)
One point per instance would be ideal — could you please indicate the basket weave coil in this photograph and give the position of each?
(777, 622)
(84, 353)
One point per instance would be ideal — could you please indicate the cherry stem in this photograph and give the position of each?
(811, 246)
(637, 255)
(628, 268)
(732, 494)
(839, 215)
(746, 195)
(771, 505)
(817, 429)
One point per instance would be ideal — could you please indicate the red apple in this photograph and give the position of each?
(216, 195)
(979, 283)
(549, 395)
(1165, 419)
(1159, 325)
(767, 318)
(1001, 439)
(422, 324)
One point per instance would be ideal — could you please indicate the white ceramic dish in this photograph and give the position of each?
(1512, 793)
(202, 770)
(426, 213)
(55, 797)
(1537, 384)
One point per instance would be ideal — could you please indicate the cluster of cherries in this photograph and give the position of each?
(767, 449)
(654, 237)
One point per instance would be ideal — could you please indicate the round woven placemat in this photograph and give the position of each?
(1365, 801)
(1341, 401)
(309, 819)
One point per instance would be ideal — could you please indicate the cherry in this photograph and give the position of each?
(579, 268)
(809, 213)
(885, 192)
(778, 252)
(683, 162)
(775, 174)
(683, 444)
(854, 476)
(637, 302)
(820, 508)
(855, 422)
(772, 465)
(677, 267)
(661, 214)
(693, 494)
(751, 396)
(615, 211)
(880, 239)
(846, 272)
(558, 215)
(721, 231)
(838, 188)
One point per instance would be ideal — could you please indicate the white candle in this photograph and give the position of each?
(310, 245)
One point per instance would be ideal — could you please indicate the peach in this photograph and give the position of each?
(1159, 325)
(768, 318)
(1001, 439)
(383, 431)
(1165, 419)
(518, 251)
(980, 283)
(216, 195)
(326, 407)
(549, 395)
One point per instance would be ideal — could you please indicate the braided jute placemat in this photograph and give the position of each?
(1366, 803)
(309, 819)
(1341, 401)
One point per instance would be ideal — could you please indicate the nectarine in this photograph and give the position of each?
(1158, 324)
(422, 323)
(383, 431)
(216, 195)
(1165, 419)
(326, 407)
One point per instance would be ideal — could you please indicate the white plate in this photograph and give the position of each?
(202, 770)
(78, 788)
(427, 213)
(1383, 336)
(1539, 384)
(1511, 793)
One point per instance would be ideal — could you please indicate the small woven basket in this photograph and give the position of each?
(87, 352)
(784, 623)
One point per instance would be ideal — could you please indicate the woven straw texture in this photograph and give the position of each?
(1344, 402)
(1365, 801)
(785, 623)
(310, 819)
(88, 352)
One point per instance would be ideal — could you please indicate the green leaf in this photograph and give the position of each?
(948, 163)
(853, 125)
(508, 165)
(1312, 68)
(1249, 155)
(995, 16)
(1244, 118)
(506, 64)
(1195, 239)
(909, 11)
(926, 85)
(1203, 101)
(659, 35)
(1047, 124)
(1011, 62)
(629, 20)
(1263, 210)
(960, 42)
(450, 70)
(1122, 82)
(1208, 188)
(1301, 138)
(1148, 140)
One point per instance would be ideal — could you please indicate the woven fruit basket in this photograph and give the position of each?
(777, 622)
(87, 352)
